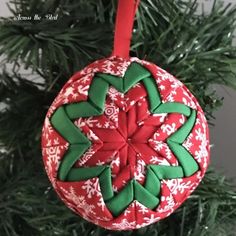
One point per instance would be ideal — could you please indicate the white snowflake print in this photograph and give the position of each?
(139, 173)
(78, 201)
(162, 116)
(148, 220)
(159, 161)
(159, 145)
(115, 162)
(114, 188)
(188, 142)
(199, 134)
(124, 224)
(86, 156)
(108, 67)
(175, 85)
(127, 212)
(47, 130)
(151, 219)
(177, 185)
(92, 187)
(53, 155)
(162, 87)
(168, 153)
(111, 111)
(170, 203)
(162, 75)
(198, 122)
(168, 128)
(90, 121)
(91, 136)
(131, 103)
(114, 94)
(141, 208)
(83, 89)
(86, 78)
(79, 123)
(202, 153)
(169, 98)
(87, 70)
(69, 91)
(182, 119)
(100, 163)
(188, 102)
(111, 66)
(101, 203)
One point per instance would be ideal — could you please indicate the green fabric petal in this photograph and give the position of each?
(152, 182)
(173, 107)
(79, 174)
(82, 109)
(181, 134)
(122, 200)
(144, 196)
(66, 128)
(97, 92)
(115, 81)
(185, 159)
(154, 98)
(74, 152)
(106, 184)
(134, 74)
(167, 172)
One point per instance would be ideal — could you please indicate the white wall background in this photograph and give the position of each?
(223, 135)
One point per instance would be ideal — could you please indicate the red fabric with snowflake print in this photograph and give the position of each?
(127, 137)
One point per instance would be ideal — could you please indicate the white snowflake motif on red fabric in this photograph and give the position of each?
(127, 137)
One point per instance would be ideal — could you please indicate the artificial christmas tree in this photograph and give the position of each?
(196, 48)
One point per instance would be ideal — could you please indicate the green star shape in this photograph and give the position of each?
(149, 193)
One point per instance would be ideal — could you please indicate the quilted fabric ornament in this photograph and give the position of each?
(124, 142)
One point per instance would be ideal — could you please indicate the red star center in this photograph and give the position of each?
(124, 145)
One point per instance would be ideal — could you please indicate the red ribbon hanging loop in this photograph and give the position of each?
(124, 27)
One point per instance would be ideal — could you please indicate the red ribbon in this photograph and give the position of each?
(124, 27)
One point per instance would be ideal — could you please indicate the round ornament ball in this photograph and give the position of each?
(124, 143)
